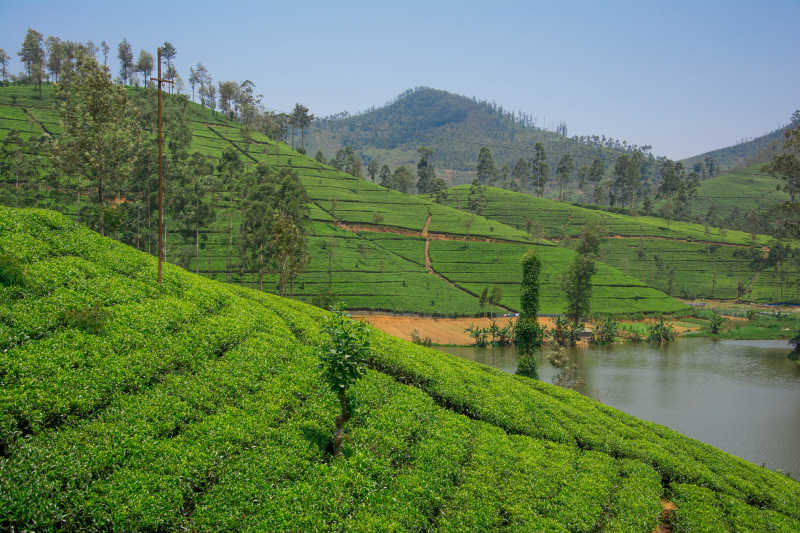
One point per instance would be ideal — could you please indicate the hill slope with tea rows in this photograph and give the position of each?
(197, 405)
(682, 259)
(366, 242)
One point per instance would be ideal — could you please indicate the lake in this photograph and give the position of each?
(740, 396)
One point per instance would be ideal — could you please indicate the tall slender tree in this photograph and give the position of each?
(372, 168)
(125, 55)
(4, 59)
(486, 169)
(539, 169)
(426, 174)
(144, 65)
(32, 56)
(564, 172)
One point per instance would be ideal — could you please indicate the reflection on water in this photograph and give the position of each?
(741, 396)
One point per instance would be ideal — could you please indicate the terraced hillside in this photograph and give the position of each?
(196, 405)
(350, 216)
(682, 259)
(742, 189)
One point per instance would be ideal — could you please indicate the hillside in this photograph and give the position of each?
(454, 127)
(743, 154)
(367, 243)
(743, 189)
(683, 259)
(196, 405)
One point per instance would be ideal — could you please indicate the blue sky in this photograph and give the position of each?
(683, 77)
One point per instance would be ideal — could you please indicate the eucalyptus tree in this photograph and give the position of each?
(486, 169)
(55, 56)
(230, 169)
(426, 174)
(32, 55)
(372, 169)
(125, 55)
(192, 202)
(144, 65)
(564, 172)
(100, 135)
(539, 169)
(4, 59)
(386, 176)
(106, 49)
(521, 171)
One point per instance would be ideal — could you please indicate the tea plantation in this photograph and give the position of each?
(196, 405)
(370, 270)
(680, 258)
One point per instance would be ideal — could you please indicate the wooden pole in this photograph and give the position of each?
(160, 177)
(160, 171)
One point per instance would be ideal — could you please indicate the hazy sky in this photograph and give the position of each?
(683, 77)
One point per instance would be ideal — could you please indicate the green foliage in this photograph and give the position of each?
(199, 407)
(10, 272)
(90, 319)
(578, 288)
(526, 366)
(716, 323)
(661, 333)
(566, 332)
(529, 289)
(422, 341)
(605, 332)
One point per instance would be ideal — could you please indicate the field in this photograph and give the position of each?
(682, 259)
(365, 241)
(744, 189)
(127, 405)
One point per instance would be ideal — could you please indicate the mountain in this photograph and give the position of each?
(743, 154)
(455, 128)
(194, 405)
(369, 246)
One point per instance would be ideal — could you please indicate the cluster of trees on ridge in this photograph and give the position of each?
(108, 146)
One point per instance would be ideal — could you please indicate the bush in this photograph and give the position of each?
(528, 335)
(605, 332)
(716, 323)
(526, 366)
(416, 339)
(91, 320)
(566, 332)
(344, 354)
(661, 333)
(10, 273)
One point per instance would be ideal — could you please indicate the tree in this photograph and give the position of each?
(274, 220)
(426, 174)
(106, 49)
(495, 296)
(125, 55)
(486, 169)
(300, 118)
(564, 172)
(192, 201)
(55, 56)
(401, 179)
(227, 94)
(528, 333)
(520, 174)
(439, 190)
(344, 351)
(32, 56)
(4, 59)
(386, 177)
(539, 169)
(786, 164)
(372, 169)
(477, 197)
(144, 65)
(320, 157)
(578, 287)
(101, 136)
(168, 52)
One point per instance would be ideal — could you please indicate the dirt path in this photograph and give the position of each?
(36, 120)
(659, 238)
(667, 510)
(434, 236)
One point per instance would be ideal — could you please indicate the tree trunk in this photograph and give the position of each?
(197, 248)
(343, 417)
(100, 205)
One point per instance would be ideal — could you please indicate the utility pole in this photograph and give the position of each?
(160, 170)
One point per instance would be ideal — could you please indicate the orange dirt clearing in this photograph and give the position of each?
(440, 330)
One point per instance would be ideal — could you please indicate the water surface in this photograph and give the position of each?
(741, 396)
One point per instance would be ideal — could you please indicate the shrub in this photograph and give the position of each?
(526, 366)
(90, 320)
(344, 353)
(661, 333)
(716, 323)
(10, 273)
(605, 331)
(416, 339)
(566, 332)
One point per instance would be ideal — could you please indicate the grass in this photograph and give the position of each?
(377, 271)
(682, 259)
(197, 405)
